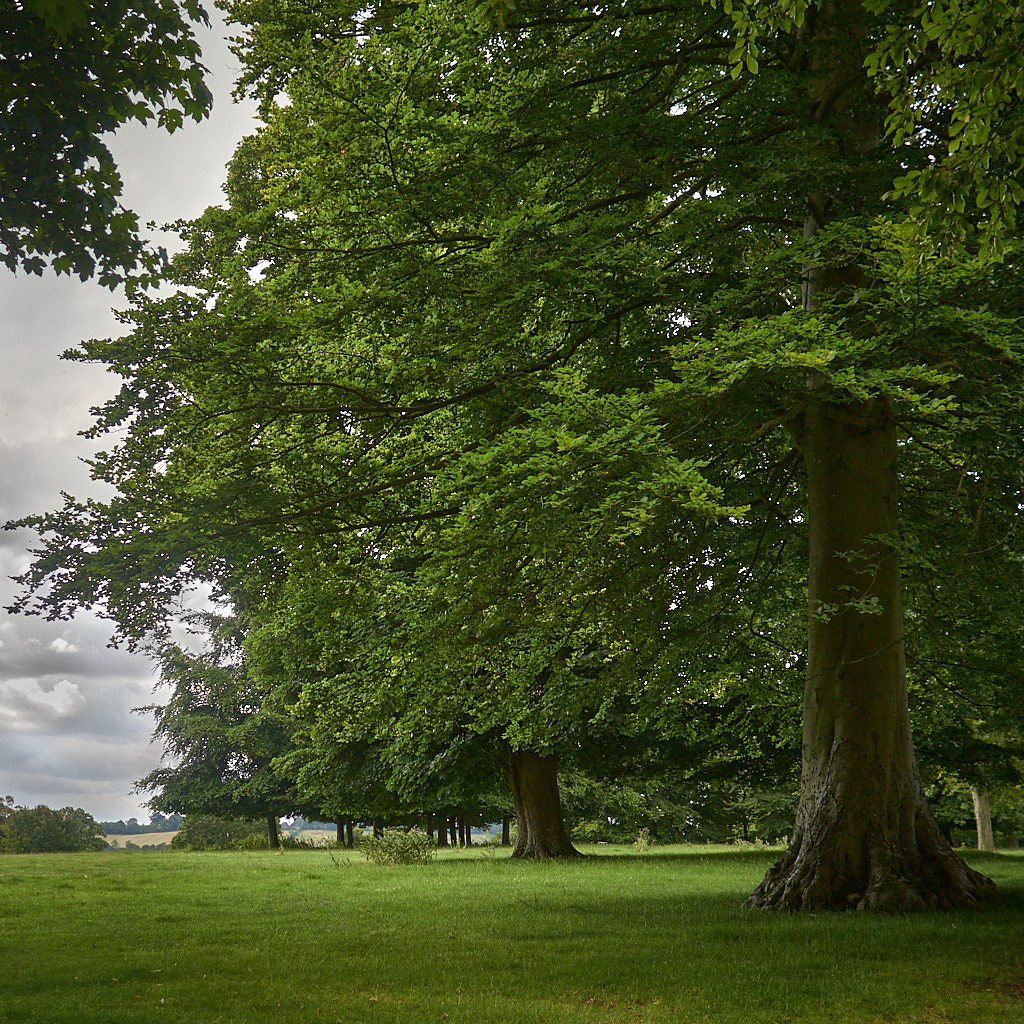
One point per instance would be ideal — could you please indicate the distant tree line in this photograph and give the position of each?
(132, 827)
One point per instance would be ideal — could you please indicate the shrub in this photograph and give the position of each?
(643, 840)
(393, 846)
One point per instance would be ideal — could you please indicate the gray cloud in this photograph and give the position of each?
(67, 734)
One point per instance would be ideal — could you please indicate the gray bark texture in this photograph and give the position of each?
(983, 818)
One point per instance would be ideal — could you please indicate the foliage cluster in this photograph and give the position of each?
(44, 830)
(207, 832)
(398, 846)
(72, 72)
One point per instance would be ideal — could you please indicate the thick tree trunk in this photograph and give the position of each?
(864, 835)
(442, 832)
(273, 839)
(350, 834)
(983, 818)
(541, 831)
(340, 823)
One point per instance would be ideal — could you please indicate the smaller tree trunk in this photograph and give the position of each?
(378, 827)
(506, 832)
(540, 827)
(341, 832)
(442, 832)
(273, 839)
(983, 818)
(453, 832)
(350, 835)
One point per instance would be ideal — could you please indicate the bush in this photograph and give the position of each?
(393, 846)
(643, 840)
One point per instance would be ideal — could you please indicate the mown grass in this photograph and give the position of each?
(220, 938)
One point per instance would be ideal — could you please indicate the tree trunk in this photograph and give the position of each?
(506, 832)
(983, 818)
(350, 835)
(273, 839)
(541, 831)
(378, 827)
(453, 832)
(864, 835)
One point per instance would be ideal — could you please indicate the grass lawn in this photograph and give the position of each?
(262, 938)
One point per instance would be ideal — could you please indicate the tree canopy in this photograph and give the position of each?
(72, 73)
(44, 830)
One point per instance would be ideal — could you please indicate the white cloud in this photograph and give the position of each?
(37, 697)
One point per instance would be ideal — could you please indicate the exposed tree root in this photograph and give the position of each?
(885, 880)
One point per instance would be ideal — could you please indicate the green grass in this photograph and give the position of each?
(113, 938)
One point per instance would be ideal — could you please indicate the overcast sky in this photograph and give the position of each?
(67, 734)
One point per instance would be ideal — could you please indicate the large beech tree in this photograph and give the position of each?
(540, 299)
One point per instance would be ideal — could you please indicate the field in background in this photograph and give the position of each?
(143, 839)
(658, 938)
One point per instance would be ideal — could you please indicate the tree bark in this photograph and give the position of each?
(864, 835)
(506, 832)
(983, 818)
(540, 828)
(273, 839)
